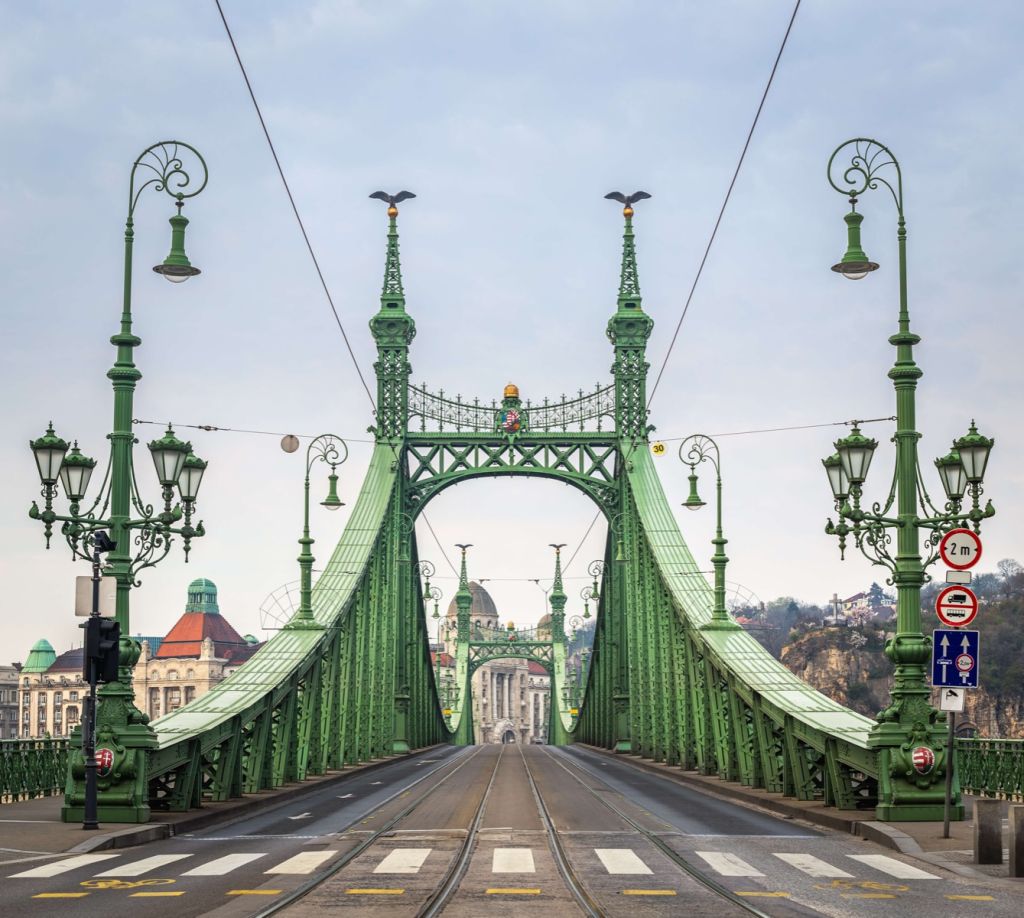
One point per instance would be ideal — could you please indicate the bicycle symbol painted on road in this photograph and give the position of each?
(864, 884)
(123, 884)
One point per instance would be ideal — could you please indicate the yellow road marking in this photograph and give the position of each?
(150, 895)
(648, 892)
(513, 891)
(868, 896)
(374, 892)
(973, 898)
(254, 892)
(59, 895)
(766, 895)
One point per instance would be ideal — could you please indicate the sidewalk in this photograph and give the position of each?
(34, 826)
(922, 840)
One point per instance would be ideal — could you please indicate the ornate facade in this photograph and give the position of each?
(511, 698)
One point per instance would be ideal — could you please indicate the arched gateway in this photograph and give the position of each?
(665, 681)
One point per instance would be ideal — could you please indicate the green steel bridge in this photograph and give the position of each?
(667, 680)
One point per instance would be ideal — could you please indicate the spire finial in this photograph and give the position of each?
(463, 577)
(629, 280)
(463, 598)
(392, 289)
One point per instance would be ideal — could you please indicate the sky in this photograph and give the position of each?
(510, 121)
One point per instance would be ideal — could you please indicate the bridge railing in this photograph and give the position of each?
(991, 767)
(32, 768)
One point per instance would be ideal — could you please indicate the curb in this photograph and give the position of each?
(231, 810)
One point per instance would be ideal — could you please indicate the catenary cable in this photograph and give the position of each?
(725, 203)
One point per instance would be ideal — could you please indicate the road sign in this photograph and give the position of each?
(83, 596)
(658, 448)
(956, 606)
(952, 699)
(960, 549)
(958, 577)
(954, 659)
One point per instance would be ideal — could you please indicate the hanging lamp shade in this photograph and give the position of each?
(169, 457)
(855, 452)
(837, 478)
(176, 267)
(693, 501)
(49, 451)
(332, 501)
(854, 264)
(75, 473)
(974, 449)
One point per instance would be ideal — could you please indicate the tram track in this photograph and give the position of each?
(338, 865)
(695, 873)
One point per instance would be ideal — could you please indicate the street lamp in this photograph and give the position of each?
(143, 535)
(592, 592)
(700, 448)
(333, 451)
(909, 721)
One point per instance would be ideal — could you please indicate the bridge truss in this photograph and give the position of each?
(663, 682)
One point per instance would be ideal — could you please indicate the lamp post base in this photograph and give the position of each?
(912, 764)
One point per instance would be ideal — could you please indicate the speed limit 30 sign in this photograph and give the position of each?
(960, 549)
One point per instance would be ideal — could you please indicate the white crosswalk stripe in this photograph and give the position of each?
(56, 868)
(622, 861)
(812, 866)
(728, 865)
(403, 860)
(893, 867)
(138, 868)
(512, 860)
(223, 865)
(303, 863)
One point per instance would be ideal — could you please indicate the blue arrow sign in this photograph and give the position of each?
(955, 660)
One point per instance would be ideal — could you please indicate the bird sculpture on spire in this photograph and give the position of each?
(627, 200)
(392, 199)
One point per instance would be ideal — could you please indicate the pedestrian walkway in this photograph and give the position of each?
(410, 860)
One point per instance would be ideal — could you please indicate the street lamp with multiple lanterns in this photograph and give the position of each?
(909, 722)
(140, 533)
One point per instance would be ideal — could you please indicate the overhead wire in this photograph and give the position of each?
(305, 236)
(725, 203)
(295, 209)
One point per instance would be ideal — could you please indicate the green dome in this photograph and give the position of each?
(250, 639)
(40, 658)
(202, 597)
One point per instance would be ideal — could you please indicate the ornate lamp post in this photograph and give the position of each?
(332, 450)
(141, 534)
(909, 785)
(703, 449)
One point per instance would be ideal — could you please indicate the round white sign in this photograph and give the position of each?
(960, 549)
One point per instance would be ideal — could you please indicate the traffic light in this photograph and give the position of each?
(102, 636)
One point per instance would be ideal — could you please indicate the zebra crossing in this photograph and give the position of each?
(615, 862)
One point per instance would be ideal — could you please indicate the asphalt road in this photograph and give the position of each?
(621, 832)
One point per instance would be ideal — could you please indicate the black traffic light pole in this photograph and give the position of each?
(100, 543)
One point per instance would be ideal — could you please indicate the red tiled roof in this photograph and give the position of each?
(446, 658)
(536, 669)
(185, 639)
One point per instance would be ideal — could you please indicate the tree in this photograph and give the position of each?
(876, 595)
(1011, 575)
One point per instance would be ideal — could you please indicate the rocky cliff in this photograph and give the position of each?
(847, 664)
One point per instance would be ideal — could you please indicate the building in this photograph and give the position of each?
(511, 698)
(198, 652)
(9, 701)
(52, 691)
